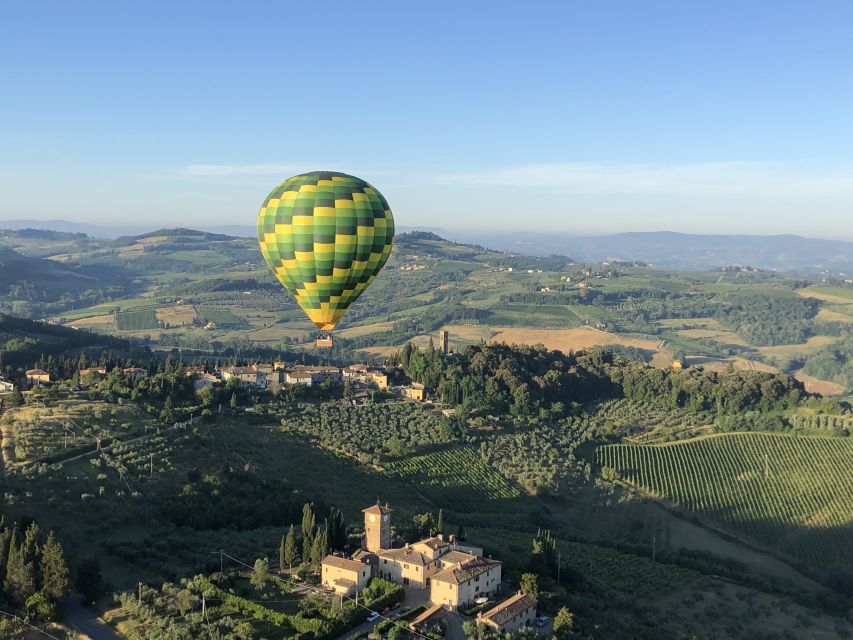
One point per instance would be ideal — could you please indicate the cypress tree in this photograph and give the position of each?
(289, 552)
(321, 548)
(5, 537)
(20, 582)
(55, 579)
(439, 524)
(308, 522)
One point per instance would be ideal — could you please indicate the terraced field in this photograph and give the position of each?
(792, 494)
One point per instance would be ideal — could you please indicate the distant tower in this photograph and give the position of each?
(443, 342)
(377, 527)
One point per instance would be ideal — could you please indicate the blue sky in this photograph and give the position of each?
(573, 116)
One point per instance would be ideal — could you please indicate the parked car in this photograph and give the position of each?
(481, 600)
(541, 620)
(373, 617)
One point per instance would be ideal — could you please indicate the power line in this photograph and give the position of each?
(21, 620)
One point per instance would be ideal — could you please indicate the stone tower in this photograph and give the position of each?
(443, 342)
(377, 527)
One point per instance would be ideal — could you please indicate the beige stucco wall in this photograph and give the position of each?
(330, 574)
(465, 593)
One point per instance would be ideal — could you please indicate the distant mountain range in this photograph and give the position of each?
(664, 248)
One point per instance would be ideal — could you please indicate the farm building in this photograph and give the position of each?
(93, 373)
(415, 391)
(430, 620)
(206, 381)
(344, 576)
(509, 616)
(137, 373)
(38, 376)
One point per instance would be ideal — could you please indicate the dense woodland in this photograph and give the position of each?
(533, 381)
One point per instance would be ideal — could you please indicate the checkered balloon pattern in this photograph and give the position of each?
(325, 235)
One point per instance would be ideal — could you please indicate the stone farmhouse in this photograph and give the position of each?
(455, 573)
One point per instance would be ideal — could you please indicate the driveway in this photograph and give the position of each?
(85, 620)
(414, 598)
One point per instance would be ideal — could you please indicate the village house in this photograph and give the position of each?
(6, 386)
(462, 583)
(415, 391)
(205, 381)
(92, 373)
(344, 576)
(38, 376)
(245, 376)
(354, 372)
(364, 375)
(136, 373)
(298, 377)
(311, 376)
(511, 615)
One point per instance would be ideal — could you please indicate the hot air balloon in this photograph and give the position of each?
(325, 235)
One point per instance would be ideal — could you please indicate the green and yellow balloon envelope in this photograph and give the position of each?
(325, 235)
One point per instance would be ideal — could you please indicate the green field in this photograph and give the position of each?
(534, 315)
(456, 479)
(221, 317)
(841, 292)
(792, 494)
(452, 266)
(136, 320)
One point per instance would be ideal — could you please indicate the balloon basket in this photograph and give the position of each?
(325, 340)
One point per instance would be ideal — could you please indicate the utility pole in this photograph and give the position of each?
(152, 465)
(654, 547)
(221, 551)
(140, 593)
(203, 606)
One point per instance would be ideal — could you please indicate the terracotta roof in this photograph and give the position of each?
(456, 557)
(378, 509)
(434, 543)
(434, 614)
(465, 572)
(37, 372)
(509, 609)
(343, 563)
(406, 554)
(362, 555)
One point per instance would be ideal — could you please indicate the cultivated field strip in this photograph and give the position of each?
(455, 479)
(791, 493)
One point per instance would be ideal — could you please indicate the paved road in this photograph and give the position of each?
(84, 620)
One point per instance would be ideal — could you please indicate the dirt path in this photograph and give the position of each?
(85, 620)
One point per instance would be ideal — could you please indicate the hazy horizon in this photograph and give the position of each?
(601, 119)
